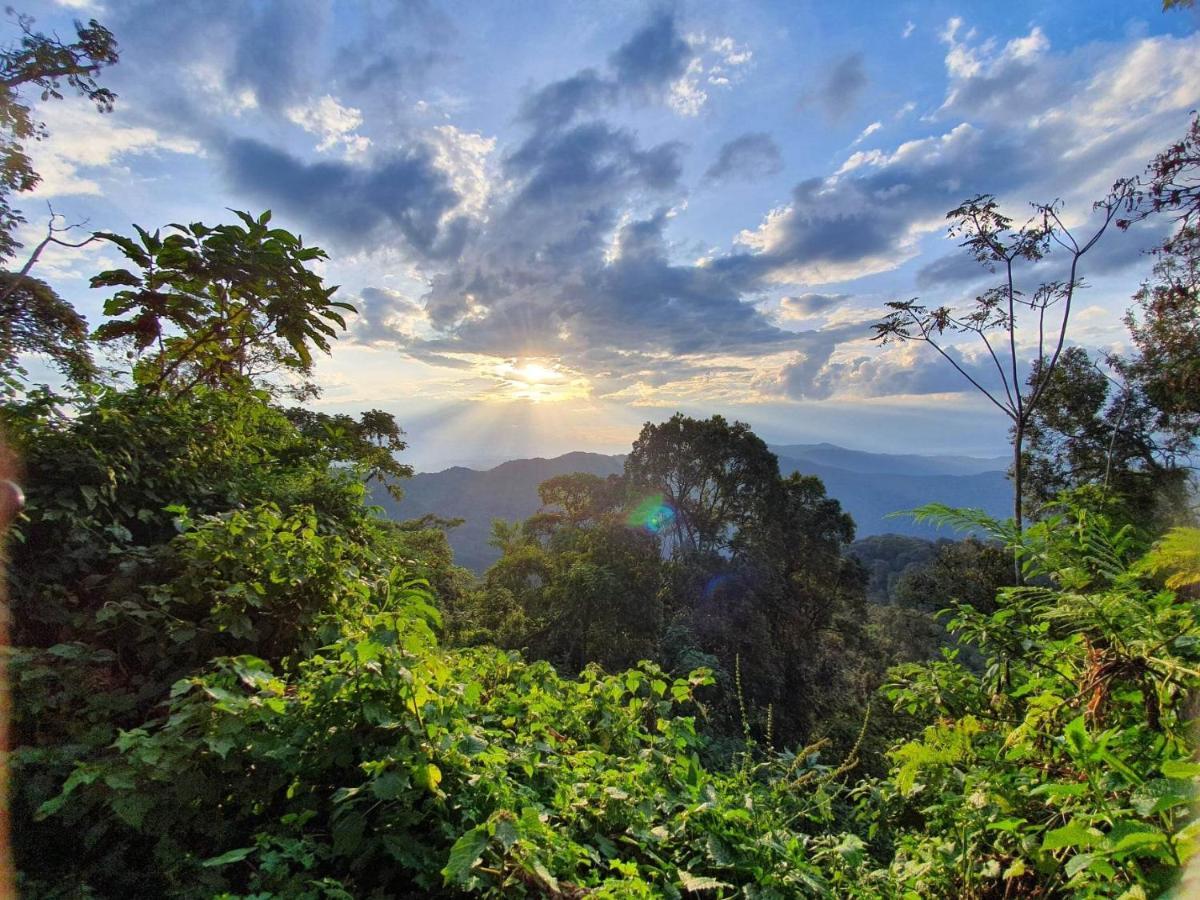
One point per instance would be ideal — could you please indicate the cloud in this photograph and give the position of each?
(717, 63)
(386, 317)
(987, 81)
(82, 142)
(403, 196)
(568, 241)
(333, 123)
(559, 102)
(871, 215)
(821, 370)
(867, 132)
(806, 306)
(658, 63)
(840, 88)
(752, 155)
(656, 55)
(909, 28)
(951, 269)
(869, 219)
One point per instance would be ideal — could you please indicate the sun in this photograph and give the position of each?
(535, 374)
(526, 379)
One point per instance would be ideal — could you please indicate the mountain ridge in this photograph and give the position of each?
(870, 486)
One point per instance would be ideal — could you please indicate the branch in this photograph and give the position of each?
(51, 231)
(934, 344)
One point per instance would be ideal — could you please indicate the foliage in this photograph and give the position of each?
(230, 678)
(1066, 766)
(43, 62)
(1094, 432)
(700, 554)
(34, 319)
(218, 306)
(1166, 332)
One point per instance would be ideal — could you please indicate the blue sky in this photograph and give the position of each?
(560, 220)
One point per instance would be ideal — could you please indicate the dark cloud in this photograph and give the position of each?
(359, 206)
(1116, 252)
(867, 219)
(559, 102)
(640, 299)
(398, 44)
(642, 68)
(266, 47)
(589, 160)
(811, 304)
(840, 88)
(655, 56)
(951, 269)
(752, 155)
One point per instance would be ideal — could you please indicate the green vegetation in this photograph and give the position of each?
(234, 678)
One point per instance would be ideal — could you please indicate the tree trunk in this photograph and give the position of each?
(1018, 492)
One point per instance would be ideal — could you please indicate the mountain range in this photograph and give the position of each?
(870, 486)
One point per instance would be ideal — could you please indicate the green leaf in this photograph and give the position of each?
(506, 833)
(1159, 795)
(1073, 834)
(226, 858)
(692, 882)
(1077, 736)
(389, 785)
(1180, 768)
(465, 854)
(544, 874)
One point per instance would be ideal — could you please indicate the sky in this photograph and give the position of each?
(559, 220)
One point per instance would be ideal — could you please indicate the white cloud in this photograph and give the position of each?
(466, 158)
(717, 63)
(333, 123)
(867, 132)
(81, 138)
(909, 28)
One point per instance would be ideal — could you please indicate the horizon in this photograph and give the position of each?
(667, 207)
(483, 464)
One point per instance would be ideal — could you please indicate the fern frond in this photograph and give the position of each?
(968, 519)
(1177, 553)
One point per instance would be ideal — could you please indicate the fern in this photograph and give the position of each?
(1178, 553)
(968, 519)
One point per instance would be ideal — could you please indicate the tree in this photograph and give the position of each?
(1091, 430)
(371, 442)
(714, 480)
(1165, 326)
(218, 305)
(44, 62)
(34, 319)
(1005, 311)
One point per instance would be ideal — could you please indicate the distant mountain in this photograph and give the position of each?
(869, 485)
(508, 491)
(888, 463)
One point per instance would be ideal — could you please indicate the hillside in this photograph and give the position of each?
(869, 485)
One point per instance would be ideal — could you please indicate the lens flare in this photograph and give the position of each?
(652, 515)
(714, 584)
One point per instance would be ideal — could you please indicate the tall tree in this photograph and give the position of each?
(713, 478)
(1000, 316)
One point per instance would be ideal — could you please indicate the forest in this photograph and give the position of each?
(232, 676)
